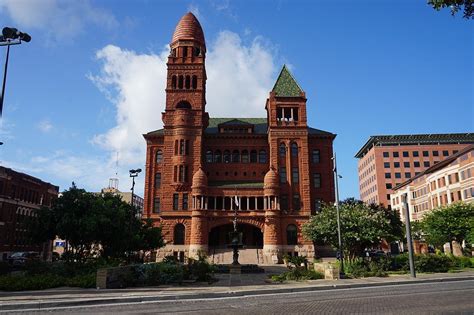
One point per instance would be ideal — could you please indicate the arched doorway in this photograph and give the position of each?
(252, 236)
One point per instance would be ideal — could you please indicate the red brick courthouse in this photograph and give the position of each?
(275, 171)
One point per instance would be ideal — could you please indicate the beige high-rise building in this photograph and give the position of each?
(447, 182)
(388, 161)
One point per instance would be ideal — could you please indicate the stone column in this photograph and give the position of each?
(272, 237)
(199, 233)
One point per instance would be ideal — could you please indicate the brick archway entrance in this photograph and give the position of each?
(252, 236)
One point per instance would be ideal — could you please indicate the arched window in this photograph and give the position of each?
(183, 105)
(282, 150)
(245, 156)
(159, 156)
(195, 82)
(209, 157)
(253, 156)
(179, 234)
(262, 156)
(218, 156)
(173, 82)
(180, 82)
(291, 234)
(226, 156)
(294, 149)
(188, 82)
(235, 156)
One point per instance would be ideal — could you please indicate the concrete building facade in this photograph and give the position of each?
(387, 161)
(273, 172)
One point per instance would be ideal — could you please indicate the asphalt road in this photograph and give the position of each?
(431, 298)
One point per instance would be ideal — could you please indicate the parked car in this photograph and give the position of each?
(21, 258)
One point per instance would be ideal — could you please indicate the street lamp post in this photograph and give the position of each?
(133, 174)
(10, 36)
(408, 232)
(339, 238)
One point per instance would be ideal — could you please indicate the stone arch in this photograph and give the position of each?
(250, 221)
(183, 105)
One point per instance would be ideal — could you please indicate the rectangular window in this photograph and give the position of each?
(157, 180)
(406, 164)
(282, 174)
(435, 153)
(455, 151)
(284, 202)
(388, 186)
(388, 175)
(426, 164)
(398, 175)
(425, 153)
(445, 153)
(396, 164)
(408, 175)
(181, 147)
(396, 154)
(175, 201)
(405, 153)
(156, 205)
(295, 176)
(296, 202)
(386, 164)
(388, 197)
(385, 154)
(185, 201)
(416, 164)
(317, 205)
(317, 180)
(415, 153)
(316, 157)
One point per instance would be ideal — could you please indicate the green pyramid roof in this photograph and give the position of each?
(286, 85)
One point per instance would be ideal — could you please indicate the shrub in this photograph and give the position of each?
(5, 268)
(82, 281)
(298, 275)
(460, 262)
(36, 282)
(376, 267)
(432, 263)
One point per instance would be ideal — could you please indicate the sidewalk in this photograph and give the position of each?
(227, 286)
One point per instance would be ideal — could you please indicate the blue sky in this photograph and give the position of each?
(91, 81)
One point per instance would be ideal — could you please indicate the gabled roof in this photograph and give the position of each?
(259, 124)
(286, 85)
(235, 122)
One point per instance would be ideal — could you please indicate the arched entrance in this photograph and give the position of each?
(252, 236)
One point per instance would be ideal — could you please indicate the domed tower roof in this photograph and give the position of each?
(189, 28)
(271, 180)
(199, 179)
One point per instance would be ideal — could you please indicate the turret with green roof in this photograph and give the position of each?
(286, 85)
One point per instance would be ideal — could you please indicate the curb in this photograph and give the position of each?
(42, 305)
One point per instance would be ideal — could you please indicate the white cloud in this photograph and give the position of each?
(58, 19)
(45, 126)
(240, 77)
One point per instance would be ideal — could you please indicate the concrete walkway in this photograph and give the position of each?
(227, 285)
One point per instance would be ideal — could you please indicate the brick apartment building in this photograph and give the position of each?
(274, 171)
(387, 161)
(20, 196)
(444, 183)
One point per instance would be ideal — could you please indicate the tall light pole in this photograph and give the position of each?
(341, 252)
(133, 174)
(10, 36)
(409, 240)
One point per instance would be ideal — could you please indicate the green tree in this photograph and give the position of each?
(467, 6)
(454, 222)
(94, 225)
(362, 226)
